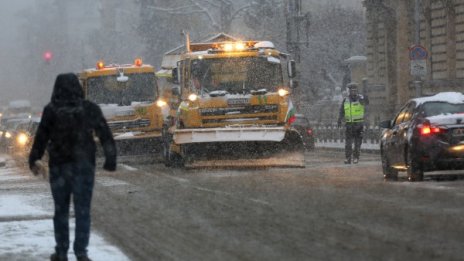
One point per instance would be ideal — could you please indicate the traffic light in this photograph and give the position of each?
(47, 56)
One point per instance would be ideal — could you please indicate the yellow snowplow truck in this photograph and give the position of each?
(128, 97)
(235, 108)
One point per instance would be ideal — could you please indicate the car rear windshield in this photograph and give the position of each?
(437, 108)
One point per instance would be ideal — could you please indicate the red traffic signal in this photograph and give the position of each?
(47, 56)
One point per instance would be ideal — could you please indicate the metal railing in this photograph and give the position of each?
(331, 133)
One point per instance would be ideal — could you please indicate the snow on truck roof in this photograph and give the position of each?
(449, 97)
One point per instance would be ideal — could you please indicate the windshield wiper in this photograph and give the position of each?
(259, 92)
(218, 93)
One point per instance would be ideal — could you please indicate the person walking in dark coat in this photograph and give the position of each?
(352, 111)
(67, 130)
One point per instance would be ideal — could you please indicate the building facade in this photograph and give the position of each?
(391, 30)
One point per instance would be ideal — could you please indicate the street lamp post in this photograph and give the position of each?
(417, 79)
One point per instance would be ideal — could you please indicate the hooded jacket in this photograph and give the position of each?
(68, 125)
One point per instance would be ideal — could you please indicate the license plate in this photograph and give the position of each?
(238, 102)
(458, 132)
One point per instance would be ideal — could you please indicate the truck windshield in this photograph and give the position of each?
(107, 90)
(237, 75)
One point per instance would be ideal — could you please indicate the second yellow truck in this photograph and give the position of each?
(128, 96)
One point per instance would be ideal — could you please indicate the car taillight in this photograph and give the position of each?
(428, 130)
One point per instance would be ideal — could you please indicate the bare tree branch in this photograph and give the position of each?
(210, 17)
(212, 3)
(243, 8)
(170, 9)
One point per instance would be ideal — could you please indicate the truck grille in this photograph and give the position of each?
(250, 109)
(131, 124)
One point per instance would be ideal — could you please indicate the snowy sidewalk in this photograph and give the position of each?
(26, 226)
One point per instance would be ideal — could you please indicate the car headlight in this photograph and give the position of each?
(22, 139)
(193, 97)
(7, 135)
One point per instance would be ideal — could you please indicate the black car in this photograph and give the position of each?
(426, 135)
(301, 124)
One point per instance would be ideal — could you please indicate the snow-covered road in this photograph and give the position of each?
(26, 228)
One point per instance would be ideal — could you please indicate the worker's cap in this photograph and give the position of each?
(352, 85)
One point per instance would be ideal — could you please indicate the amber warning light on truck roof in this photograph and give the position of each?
(100, 65)
(238, 46)
(138, 62)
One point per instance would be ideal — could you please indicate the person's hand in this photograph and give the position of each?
(110, 165)
(38, 168)
(35, 170)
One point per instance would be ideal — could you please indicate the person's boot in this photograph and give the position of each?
(83, 258)
(348, 161)
(56, 257)
(355, 161)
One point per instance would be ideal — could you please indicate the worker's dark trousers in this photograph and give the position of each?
(76, 179)
(353, 133)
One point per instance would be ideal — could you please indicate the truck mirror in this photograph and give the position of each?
(291, 69)
(121, 77)
(175, 76)
(294, 84)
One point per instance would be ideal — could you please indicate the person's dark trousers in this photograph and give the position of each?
(353, 133)
(76, 179)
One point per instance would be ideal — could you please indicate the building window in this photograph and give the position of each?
(438, 41)
(459, 29)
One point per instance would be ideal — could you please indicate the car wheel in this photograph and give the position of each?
(389, 173)
(415, 171)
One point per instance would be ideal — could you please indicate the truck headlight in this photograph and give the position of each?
(22, 139)
(193, 97)
(283, 92)
(7, 135)
(161, 103)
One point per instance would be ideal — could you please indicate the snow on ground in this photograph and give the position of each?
(341, 145)
(26, 225)
(34, 239)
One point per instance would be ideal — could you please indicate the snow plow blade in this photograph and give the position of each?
(284, 160)
(143, 149)
(241, 147)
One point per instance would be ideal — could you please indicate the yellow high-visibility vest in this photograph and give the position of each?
(354, 111)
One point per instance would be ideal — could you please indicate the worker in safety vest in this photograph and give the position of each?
(352, 111)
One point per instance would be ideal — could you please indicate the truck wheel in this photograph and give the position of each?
(166, 146)
(167, 158)
(172, 159)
